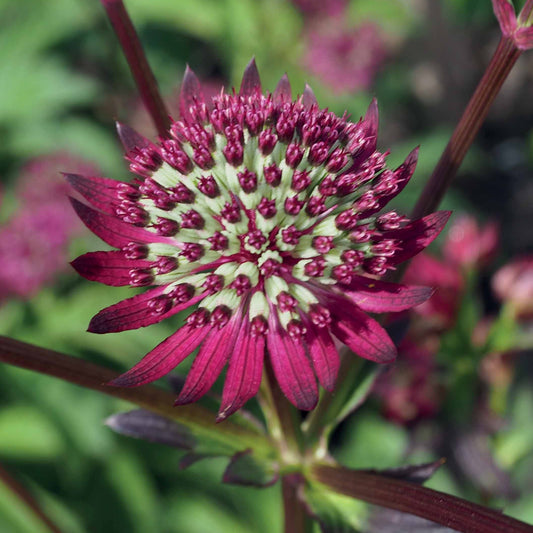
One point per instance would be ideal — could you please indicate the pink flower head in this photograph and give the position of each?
(468, 245)
(346, 59)
(34, 241)
(440, 311)
(260, 215)
(513, 284)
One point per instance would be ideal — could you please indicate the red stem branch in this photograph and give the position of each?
(414, 499)
(468, 127)
(140, 69)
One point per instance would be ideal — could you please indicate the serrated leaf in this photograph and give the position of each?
(245, 469)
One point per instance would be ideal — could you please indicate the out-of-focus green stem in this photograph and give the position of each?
(140, 69)
(468, 127)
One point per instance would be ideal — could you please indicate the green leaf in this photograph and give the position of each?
(334, 512)
(26, 433)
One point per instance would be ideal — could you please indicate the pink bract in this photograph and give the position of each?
(263, 216)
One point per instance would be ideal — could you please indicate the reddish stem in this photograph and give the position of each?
(92, 376)
(408, 497)
(140, 69)
(23, 495)
(296, 519)
(468, 127)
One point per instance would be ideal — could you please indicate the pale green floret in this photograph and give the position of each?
(326, 228)
(226, 297)
(266, 225)
(227, 269)
(274, 286)
(286, 316)
(166, 175)
(304, 247)
(250, 270)
(269, 254)
(298, 270)
(158, 249)
(259, 305)
(304, 296)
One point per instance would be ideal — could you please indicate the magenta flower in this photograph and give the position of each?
(261, 214)
(346, 59)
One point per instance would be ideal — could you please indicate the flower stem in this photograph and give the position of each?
(296, 519)
(283, 422)
(92, 376)
(466, 130)
(140, 69)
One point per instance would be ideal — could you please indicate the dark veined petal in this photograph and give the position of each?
(209, 362)
(324, 355)
(131, 139)
(291, 366)
(282, 92)
(417, 235)
(190, 94)
(112, 230)
(110, 268)
(135, 313)
(251, 83)
(308, 97)
(99, 192)
(244, 372)
(164, 357)
(361, 333)
(382, 297)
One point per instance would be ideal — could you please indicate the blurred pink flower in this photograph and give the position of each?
(441, 309)
(33, 241)
(469, 245)
(513, 284)
(410, 389)
(346, 59)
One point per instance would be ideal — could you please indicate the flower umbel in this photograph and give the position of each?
(263, 215)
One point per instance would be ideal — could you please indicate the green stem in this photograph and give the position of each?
(500, 66)
(140, 69)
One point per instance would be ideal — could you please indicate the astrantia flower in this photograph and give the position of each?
(260, 215)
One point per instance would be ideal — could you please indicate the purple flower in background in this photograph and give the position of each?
(33, 242)
(346, 59)
(262, 215)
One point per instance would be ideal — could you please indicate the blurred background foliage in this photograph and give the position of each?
(63, 84)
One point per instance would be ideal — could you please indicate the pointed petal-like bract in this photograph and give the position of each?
(101, 193)
(282, 92)
(244, 372)
(130, 138)
(209, 362)
(134, 312)
(164, 357)
(112, 230)
(361, 333)
(190, 93)
(381, 297)
(291, 367)
(505, 13)
(251, 83)
(371, 121)
(308, 97)
(110, 268)
(417, 235)
(324, 355)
